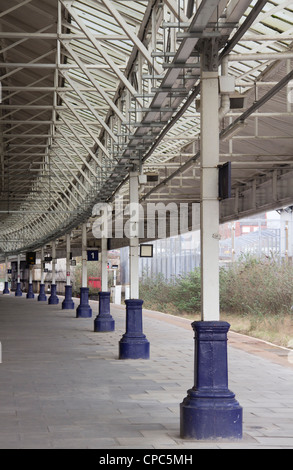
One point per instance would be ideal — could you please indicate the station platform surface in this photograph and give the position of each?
(64, 387)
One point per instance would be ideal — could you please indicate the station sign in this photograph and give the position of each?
(92, 255)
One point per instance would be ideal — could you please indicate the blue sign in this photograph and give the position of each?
(93, 255)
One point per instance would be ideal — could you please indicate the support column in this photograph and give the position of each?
(209, 207)
(104, 321)
(42, 296)
(84, 310)
(134, 236)
(210, 410)
(30, 293)
(68, 303)
(53, 299)
(134, 344)
(18, 292)
(6, 288)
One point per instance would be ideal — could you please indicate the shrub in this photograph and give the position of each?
(155, 292)
(182, 292)
(187, 292)
(249, 286)
(257, 286)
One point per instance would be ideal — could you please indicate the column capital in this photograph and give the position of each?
(209, 49)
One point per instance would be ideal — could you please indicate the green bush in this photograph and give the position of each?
(187, 292)
(181, 294)
(250, 286)
(156, 292)
(257, 285)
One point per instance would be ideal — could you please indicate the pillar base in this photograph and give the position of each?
(6, 289)
(104, 322)
(18, 292)
(84, 310)
(53, 299)
(134, 344)
(210, 411)
(30, 294)
(42, 296)
(68, 303)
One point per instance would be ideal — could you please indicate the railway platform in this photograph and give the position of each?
(64, 387)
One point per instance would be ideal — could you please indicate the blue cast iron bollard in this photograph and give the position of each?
(53, 299)
(30, 294)
(133, 344)
(6, 289)
(18, 292)
(210, 410)
(84, 310)
(68, 303)
(42, 296)
(104, 322)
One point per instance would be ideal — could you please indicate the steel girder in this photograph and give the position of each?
(90, 89)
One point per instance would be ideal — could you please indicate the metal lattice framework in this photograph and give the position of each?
(91, 88)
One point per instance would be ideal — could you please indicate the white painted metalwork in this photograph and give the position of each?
(84, 256)
(134, 235)
(210, 205)
(104, 264)
(54, 261)
(91, 88)
(68, 276)
(42, 266)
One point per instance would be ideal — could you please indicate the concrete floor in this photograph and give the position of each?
(63, 386)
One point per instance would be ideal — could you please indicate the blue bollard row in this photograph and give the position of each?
(210, 410)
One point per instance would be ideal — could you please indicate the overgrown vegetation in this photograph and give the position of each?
(259, 286)
(256, 297)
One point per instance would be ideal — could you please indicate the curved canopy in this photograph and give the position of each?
(91, 89)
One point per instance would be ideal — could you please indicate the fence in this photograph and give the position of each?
(258, 236)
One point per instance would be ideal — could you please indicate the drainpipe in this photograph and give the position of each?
(225, 97)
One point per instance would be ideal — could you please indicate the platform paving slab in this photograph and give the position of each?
(63, 386)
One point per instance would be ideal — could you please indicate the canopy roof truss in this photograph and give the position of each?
(91, 88)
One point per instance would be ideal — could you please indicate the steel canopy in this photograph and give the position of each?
(91, 88)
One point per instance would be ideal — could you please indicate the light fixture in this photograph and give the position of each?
(152, 177)
(237, 101)
(146, 251)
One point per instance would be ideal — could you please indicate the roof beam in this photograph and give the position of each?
(84, 161)
(78, 168)
(78, 137)
(177, 12)
(132, 36)
(15, 7)
(55, 36)
(260, 56)
(257, 104)
(99, 48)
(17, 67)
(34, 65)
(60, 168)
(243, 28)
(30, 105)
(95, 83)
(85, 126)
